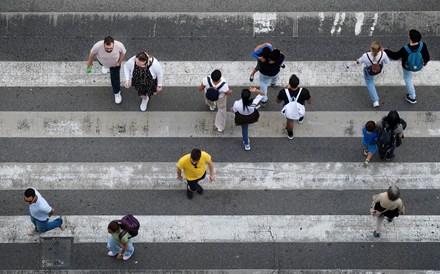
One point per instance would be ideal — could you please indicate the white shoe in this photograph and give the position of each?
(125, 258)
(375, 104)
(144, 105)
(64, 224)
(105, 70)
(248, 146)
(213, 107)
(111, 254)
(118, 98)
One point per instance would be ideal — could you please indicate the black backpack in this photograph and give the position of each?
(385, 137)
(212, 92)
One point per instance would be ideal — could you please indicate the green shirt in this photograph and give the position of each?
(123, 240)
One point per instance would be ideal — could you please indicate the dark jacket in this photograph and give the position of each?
(268, 69)
(403, 54)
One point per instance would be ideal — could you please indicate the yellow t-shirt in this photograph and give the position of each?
(192, 173)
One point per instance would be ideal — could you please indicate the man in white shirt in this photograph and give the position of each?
(218, 82)
(110, 54)
(40, 211)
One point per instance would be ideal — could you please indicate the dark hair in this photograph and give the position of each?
(370, 126)
(275, 55)
(108, 40)
(113, 226)
(30, 192)
(293, 81)
(216, 75)
(392, 119)
(393, 193)
(246, 98)
(142, 56)
(265, 52)
(415, 36)
(196, 154)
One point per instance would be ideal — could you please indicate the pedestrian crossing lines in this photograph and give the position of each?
(285, 206)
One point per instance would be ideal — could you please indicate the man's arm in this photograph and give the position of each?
(211, 171)
(90, 60)
(121, 58)
(201, 87)
(179, 174)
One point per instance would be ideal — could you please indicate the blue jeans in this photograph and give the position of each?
(43, 226)
(244, 132)
(115, 77)
(266, 81)
(369, 81)
(115, 248)
(407, 77)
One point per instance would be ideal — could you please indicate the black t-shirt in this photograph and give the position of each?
(304, 96)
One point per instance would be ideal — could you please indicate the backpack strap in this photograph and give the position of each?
(288, 95)
(419, 49)
(292, 97)
(378, 61)
(299, 93)
(221, 85)
(209, 82)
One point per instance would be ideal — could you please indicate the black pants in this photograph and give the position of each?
(194, 184)
(115, 77)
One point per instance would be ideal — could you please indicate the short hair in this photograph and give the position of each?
(196, 154)
(216, 75)
(113, 226)
(293, 81)
(275, 55)
(370, 126)
(265, 52)
(108, 40)
(142, 56)
(393, 193)
(415, 36)
(30, 192)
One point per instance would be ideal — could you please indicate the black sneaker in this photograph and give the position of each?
(273, 84)
(411, 101)
(300, 120)
(263, 104)
(189, 194)
(290, 135)
(376, 234)
(200, 190)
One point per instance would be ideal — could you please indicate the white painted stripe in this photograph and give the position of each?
(237, 229)
(16, 124)
(190, 73)
(229, 176)
(264, 22)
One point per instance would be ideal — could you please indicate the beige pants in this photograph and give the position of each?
(220, 117)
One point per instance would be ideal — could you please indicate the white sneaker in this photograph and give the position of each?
(111, 254)
(118, 98)
(213, 107)
(64, 224)
(375, 104)
(248, 146)
(125, 258)
(105, 70)
(144, 105)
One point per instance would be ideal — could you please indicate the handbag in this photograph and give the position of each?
(374, 212)
(241, 119)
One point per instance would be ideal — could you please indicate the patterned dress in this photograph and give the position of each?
(143, 81)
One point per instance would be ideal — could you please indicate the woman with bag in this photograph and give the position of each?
(246, 112)
(373, 63)
(386, 205)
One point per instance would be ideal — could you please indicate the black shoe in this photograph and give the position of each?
(189, 194)
(376, 234)
(389, 219)
(300, 120)
(200, 190)
(273, 84)
(263, 104)
(412, 101)
(290, 135)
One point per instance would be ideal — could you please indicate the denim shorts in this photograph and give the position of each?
(371, 149)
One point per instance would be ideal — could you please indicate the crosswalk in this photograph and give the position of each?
(285, 206)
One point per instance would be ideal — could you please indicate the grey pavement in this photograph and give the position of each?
(218, 202)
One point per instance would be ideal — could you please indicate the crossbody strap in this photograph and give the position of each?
(292, 97)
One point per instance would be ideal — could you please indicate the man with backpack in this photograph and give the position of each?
(390, 134)
(216, 89)
(293, 99)
(414, 57)
(120, 244)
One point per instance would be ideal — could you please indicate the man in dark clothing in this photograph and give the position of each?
(269, 70)
(304, 97)
(414, 43)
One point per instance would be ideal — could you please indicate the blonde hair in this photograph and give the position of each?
(375, 48)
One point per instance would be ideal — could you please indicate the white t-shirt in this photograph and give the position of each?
(222, 91)
(40, 209)
(364, 59)
(238, 106)
(108, 59)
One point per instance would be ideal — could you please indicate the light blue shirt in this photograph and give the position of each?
(40, 209)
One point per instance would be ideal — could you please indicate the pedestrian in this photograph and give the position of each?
(40, 212)
(119, 243)
(373, 63)
(193, 166)
(390, 134)
(216, 88)
(386, 205)
(246, 112)
(299, 95)
(370, 132)
(262, 51)
(414, 57)
(144, 72)
(110, 54)
(269, 71)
